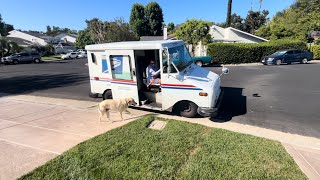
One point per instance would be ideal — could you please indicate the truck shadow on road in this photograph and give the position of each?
(233, 104)
(31, 83)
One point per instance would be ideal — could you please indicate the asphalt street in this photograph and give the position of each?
(284, 98)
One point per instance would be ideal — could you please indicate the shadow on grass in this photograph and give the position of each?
(233, 104)
(31, 83)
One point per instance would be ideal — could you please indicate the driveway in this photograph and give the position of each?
(284, 98)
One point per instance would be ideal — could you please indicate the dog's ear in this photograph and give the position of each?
(128, 100)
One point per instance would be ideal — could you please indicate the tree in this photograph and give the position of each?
(5, 28)
(228, 21)
(237, 22)
(154, 19)
(137, 20)
(49, 31)
(297, 21)
(193, 31)
(97, 29)
(84, 38)
(171, 27)
(57, 30)
(7, 47)
(255, 20)
(264, 31)
(103, 31)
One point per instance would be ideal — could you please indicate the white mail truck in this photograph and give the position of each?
(119, 70)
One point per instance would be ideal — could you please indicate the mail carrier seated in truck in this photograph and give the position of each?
(118, 70)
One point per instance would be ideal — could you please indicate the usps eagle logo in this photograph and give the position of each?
(116, 62)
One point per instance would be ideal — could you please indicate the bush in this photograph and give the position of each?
(46, 50)
(235, 53)
(315, 49)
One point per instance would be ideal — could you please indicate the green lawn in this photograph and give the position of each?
(180, 151)
(51, 58)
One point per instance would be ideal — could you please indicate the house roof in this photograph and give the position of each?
(67, 34)
(234, 29)
(19, 41)
(36, 34)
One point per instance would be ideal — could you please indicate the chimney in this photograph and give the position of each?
(165, 33)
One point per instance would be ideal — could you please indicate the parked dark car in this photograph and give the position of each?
(23, 57)
(287, 56)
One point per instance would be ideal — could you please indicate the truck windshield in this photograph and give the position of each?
(180, 57)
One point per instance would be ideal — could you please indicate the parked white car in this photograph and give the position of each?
(70, 55)
(82, 55)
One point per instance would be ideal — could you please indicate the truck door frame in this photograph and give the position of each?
(125, 86)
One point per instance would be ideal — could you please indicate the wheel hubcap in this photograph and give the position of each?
(187, 108)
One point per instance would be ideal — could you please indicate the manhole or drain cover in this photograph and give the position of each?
(158, 125)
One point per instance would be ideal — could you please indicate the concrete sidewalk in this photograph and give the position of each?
(36, 129)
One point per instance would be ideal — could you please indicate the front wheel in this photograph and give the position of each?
(186, 109)
(15, 62)
(278, 62)
(107, 95)
(199, 63)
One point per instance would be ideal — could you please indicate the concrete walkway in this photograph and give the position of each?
(36, 129)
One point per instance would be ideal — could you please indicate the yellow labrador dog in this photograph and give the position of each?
(119, 105)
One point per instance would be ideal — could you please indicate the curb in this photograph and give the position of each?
(294, 139)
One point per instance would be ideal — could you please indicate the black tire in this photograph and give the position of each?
(304, 61)
(199, 63)
(278, 62)
(37, 60)
(15, 62)
(186, 109)
(107, 95)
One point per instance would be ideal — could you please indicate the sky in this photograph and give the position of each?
(37, 14)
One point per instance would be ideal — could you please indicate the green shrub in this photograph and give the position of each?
(235, 53)
(315, 49)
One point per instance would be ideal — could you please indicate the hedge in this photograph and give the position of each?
(235, 53)
(315, 49)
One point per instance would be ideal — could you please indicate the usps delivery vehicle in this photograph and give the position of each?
(118, 70)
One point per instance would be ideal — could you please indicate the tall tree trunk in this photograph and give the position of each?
(260, 2)
(228, 22)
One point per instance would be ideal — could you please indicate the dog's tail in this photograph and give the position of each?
(93, 106)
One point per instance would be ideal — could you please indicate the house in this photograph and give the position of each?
(34, 37)
(227, 35)
(66, 38)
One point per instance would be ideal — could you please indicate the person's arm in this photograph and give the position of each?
(154, 73)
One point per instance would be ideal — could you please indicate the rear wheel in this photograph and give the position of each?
(199, 63)
(304, 61)
(186, 109)
(37, 60)
(107, 95)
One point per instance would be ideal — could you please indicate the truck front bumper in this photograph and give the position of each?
(211, 111)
